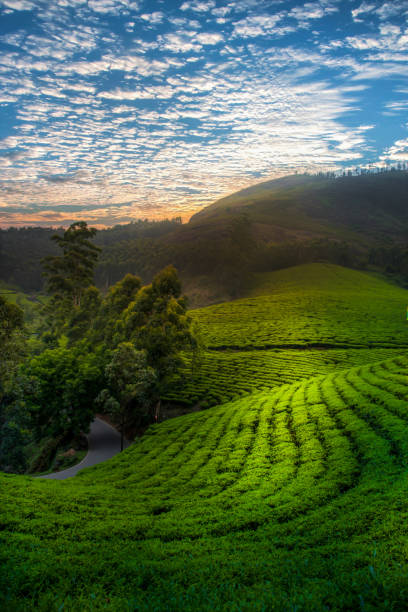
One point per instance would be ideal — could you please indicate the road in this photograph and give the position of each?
(103, 443)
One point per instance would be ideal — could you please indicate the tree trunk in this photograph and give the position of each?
(157, 411)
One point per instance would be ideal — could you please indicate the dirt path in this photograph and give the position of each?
(103, 443)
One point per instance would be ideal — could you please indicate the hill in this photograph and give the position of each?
(295, 323)
(355, 221)
(370, 208)
(292, 499)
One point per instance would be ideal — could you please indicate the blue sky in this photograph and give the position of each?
(113, 110)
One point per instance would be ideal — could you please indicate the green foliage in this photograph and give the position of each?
(225, 375)
(11, 328)
(157, 322)
(312, 305)
(70, 274)
(131, 387)
(292, 497)
(283, 500)
(66, 383)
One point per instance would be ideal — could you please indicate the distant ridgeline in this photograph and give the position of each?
(355, 219)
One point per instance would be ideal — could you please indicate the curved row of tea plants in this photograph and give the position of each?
(226, 375)
(292, 499)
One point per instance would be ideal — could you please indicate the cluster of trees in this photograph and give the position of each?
(23, 249)
(115, 353)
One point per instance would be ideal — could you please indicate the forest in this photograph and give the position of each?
(116, 353)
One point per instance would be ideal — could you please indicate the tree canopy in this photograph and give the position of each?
(68, 275)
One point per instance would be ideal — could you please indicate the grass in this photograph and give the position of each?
(292, 497)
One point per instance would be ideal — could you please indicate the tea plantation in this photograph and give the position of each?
(297, 323)
(293, 497)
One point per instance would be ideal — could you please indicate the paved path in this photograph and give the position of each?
(103, 443)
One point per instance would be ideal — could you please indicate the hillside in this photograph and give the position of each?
(296, 323)
(292, 499)
(370, 208)
(353, 220)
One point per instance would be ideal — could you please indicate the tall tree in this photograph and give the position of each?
(12, 341)
(131, 386)
(69, 274)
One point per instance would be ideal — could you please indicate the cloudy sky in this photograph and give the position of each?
(113, 110)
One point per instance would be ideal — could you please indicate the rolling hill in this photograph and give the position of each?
(369, 208)
(283, 500)
(292, 220)
(295, 323)
(290, 494)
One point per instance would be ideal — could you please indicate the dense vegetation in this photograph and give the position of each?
(117, 352)
(296, 323)
(283, 500)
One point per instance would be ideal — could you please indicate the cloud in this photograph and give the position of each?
(391, 9)
(180, 42)
(158, 91)
(19, 5)
(155, 108)
(312, 10)
(363, 9)
(209, 38)
(126, 63)
(258, 25)
(197, 6)
(114, 7)
(398, 152)
(154, 18)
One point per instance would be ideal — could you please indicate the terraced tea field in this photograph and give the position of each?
(297, 323)
(226, 375)
(292, 499)
(289, 494)
(305, 306)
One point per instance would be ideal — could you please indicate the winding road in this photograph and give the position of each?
(103, 443)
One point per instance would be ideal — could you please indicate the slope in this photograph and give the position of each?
(296, 323)
(284, 500)
(368, 208)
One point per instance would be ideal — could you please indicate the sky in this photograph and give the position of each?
(115, 110)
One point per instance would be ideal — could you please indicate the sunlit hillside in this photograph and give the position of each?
(296, 323)
(292, 499)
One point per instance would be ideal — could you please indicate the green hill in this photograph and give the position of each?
(286, 500)
(351, 220)
(369, 208)
(296, 323)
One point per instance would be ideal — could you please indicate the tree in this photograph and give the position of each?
(118, 298)
(12, 341)
(15, 431)
(157, 323)
(67, 382)
(68, 275)
(130, 386)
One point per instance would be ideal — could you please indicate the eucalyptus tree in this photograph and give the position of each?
(69, 275)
